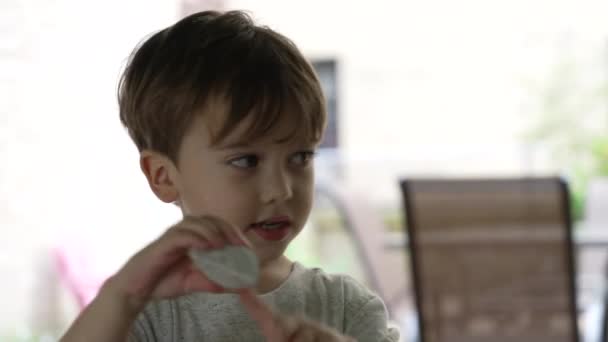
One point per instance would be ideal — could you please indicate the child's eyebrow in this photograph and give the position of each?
(234, 145)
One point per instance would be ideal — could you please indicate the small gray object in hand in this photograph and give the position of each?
(232, 267)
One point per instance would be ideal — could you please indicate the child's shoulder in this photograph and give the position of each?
(354, 308)
(333, 284)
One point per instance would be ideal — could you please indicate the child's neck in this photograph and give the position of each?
(273, 274)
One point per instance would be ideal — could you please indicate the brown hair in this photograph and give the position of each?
(211, 56)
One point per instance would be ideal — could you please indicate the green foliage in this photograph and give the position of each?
(571, 122)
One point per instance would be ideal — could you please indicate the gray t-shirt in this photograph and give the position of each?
(337, 301)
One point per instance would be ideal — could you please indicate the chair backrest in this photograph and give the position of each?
(492, 259)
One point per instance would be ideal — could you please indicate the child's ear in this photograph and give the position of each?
(161, 174)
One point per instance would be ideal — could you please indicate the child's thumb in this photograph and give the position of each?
(268, 322)
(196, 281)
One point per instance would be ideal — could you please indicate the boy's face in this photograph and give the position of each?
(248, 182)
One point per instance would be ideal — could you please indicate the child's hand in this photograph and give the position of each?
(280, 328)
(163, 269)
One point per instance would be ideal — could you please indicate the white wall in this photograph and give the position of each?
(439, 87)
(67, 168)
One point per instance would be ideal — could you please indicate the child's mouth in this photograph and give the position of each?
(274, 229)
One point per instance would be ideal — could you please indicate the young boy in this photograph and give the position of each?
(226, 116)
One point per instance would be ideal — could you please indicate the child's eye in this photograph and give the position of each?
(302, 158)
(245, 162)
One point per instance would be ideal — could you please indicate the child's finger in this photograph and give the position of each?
(182, 278)
(206, 229)
(233, 234)
(185, 231)
(196, 281)
(238, 238)
(255, 307)
(172, 244)
(304, 335)
(271, 328)
(192, 279)
(308, 330)
(147, 267)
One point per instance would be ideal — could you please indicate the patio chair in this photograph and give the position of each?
(492, 259)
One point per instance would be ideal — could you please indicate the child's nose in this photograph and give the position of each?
(276, 188)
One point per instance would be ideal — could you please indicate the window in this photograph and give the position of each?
(326, 71)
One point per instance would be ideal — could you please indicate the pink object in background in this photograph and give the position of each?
(79, 271)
